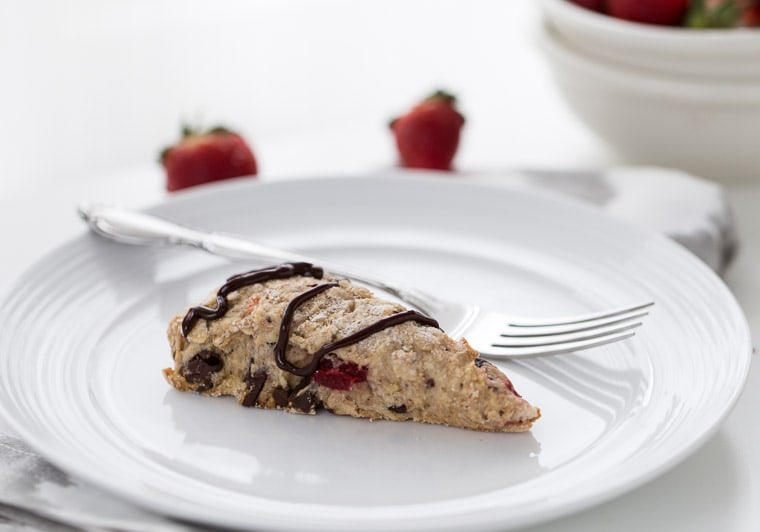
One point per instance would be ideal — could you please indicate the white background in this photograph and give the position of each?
(90, 91)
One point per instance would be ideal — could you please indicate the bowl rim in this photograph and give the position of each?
(637, 80)
(650, 37)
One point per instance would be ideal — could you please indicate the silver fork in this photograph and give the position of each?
(492, 334)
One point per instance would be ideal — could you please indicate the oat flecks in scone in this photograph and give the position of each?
(408, 371)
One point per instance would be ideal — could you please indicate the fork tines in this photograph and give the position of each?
(535, 337)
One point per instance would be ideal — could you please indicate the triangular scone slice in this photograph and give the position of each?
(297, 341)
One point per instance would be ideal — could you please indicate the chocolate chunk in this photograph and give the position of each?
(305, 402)
(480, 362)
(200, 369)
(399, 409)
(430, 383)
(281, 396)
(255, 384)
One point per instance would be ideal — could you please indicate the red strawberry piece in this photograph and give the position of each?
(204, 157)
(593, 5)
(662, 12)
(751, 17)
(428, 135)
(341, 376)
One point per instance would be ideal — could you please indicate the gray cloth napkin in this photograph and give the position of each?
(34, 495)
(692, 211)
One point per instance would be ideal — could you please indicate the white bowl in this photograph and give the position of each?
(706, 127)
(708, 53)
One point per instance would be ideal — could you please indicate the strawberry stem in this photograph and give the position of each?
(218, 129)
(442, 95)
(726, 14)
(188, 131)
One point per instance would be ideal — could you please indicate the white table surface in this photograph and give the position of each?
(90, 91)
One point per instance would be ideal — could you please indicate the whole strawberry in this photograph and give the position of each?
(594, 5)
(663, 12)
(751, 17)
(202, 157)
(428, 135)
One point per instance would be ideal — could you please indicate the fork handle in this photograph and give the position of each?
(137, 228)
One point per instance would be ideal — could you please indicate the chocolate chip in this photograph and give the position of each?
(430, 383)
(255, 384)
(200, 369)
(305, 402)
(480, 362)
(399, 409)
(281, 396)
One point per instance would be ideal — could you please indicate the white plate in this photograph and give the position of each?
(82, 345)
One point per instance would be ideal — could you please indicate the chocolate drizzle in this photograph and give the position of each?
(287, 320)
(236, 282)
(358, 336)
(282, 396)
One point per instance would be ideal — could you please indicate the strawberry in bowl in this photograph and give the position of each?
(663, 12)
(687, 13)
(662, 93)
